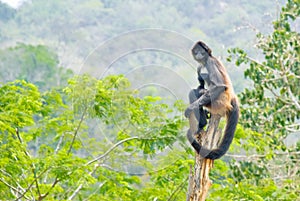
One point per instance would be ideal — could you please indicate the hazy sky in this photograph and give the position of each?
(13, 3)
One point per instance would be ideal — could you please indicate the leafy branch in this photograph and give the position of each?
(32, 164)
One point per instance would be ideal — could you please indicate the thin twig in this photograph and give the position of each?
(111, 149)
(291, 94)
(278, 97)
(59, 143)
(29, 187)
(97, 165)
(41, 197)
(77, 129)
(240, 170)
(140, 174)
(180, 186)
(75, 192)
(81, 185)
(13, 179)
(263, 155)
(96, 190)
(12, 187)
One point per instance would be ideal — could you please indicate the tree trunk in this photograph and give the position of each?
(199, 182)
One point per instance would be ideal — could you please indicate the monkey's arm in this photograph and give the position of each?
(210, 96)
(215, 89)
(207, 98)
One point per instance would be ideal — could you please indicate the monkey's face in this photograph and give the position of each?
(199, 53)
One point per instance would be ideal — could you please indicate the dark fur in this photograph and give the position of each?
(200, 113)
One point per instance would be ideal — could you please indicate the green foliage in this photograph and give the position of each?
(266, 189)
(272, 106)
(19, 101)
(35, 64)
(270, 112)
(168, 178)
(47, 150)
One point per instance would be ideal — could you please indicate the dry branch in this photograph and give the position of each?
(199, 182)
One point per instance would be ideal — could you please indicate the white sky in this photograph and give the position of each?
(13, 3)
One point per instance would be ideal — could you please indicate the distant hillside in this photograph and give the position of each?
(75, 28)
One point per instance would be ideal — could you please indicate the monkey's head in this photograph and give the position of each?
(201, 52)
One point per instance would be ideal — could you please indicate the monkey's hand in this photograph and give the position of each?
(190, 109)
(202, 91)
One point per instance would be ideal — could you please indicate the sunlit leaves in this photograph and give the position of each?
(19, 101)
(50, 153)
(272, 104)
(270, 109)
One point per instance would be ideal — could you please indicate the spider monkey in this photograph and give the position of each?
(218, 98)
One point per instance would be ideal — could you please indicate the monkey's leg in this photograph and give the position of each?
(202, 119)
(193, 96)
(200, 114)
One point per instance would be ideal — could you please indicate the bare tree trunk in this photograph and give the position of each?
(199, 182)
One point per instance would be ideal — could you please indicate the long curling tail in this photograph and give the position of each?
(232, 120)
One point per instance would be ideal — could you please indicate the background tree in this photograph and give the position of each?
(47, 150)
(271, 110)
(75, 29)
(37, 64)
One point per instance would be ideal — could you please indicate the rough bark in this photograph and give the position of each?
(199, 182)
